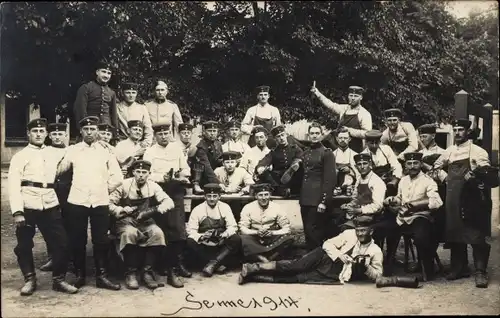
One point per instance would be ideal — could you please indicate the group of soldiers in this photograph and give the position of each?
(393, 182)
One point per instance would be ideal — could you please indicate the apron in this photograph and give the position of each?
(385, 171)
(211, 224)
(352, 121)
(365, 196)
(173, 222)
(267, 123)
(459, 230)
(398, 146)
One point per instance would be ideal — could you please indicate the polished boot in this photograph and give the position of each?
(81, 278)
(60, 285)
(212, 266)
(181, 268)
(177, 249)
(130, 257)
(149, 279)
(173, 280)
(47, 267)
(481, 255)
(459, 268)
(248, 270)
(80, 269)
(29, 284)
(102, 280)
(131, 279)
(396, 281)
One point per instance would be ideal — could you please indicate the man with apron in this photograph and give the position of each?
(344, 158)
(132, 207)
(264, 226)
(281, 159)
(171, 171)
(234, 142)
(353, 116)
(212, 231)
(414, 206)
(385, 162)
(262, 114)
(400, 136)
(350, 256)
(468, 205)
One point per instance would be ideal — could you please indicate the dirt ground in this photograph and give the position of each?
(222, 296)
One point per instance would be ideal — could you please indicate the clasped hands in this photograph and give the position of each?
(394, 205)
(351, 209)
(264, 232)
(126, 211)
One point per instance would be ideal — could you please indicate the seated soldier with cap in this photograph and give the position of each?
(431, 152)
(128, 110)
(234, 142)
(212, 231)
(264, 226)
(368, 193)
(106, 133)
(400, 136)
(252, 157)
(385, 162)
(344, 160)
(416, 199)
(132, 207)
(208, 156)
(233, 179)
(350, 256)
(284, 159)
(131, 149)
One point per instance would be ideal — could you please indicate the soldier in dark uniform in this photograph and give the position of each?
(285, 162)
(208, 156)
(95, 98)
(318, 183)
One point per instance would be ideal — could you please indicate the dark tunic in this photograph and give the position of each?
(94, 99)
(281, 158)
(208, 157)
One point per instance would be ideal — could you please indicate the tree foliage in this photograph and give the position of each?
(408, 54)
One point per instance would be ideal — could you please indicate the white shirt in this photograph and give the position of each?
(384, 155)
(203, 210)
(477, 156)
(252, 157)
(378, 188)
(254, 218)
(165, 113)
(239, 177)
(96, 173)
(432, 150)
(165, 158)
(238, 146)
(125, 149)
(346, 158)
(404, 131)
(35, 164)
(266, 112)
(135, 111)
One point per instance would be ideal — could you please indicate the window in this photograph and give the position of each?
(16, 118)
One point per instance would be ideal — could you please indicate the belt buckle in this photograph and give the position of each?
(44, 185)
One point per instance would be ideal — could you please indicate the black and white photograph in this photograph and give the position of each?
(249, 158)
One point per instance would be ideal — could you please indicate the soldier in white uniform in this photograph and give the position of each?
(400, 136)
(255, 154)
(171, 171)
(34, 203)
(233, 179)
(89, 198)
(132, 207)
(162, 110)
(344, 159)
(234, 142)
(128, 110)
(131, 149)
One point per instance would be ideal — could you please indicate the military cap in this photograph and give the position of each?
(362, 157)
(373, 134)
(37, 123)
(263, 89)
(135, 123)
(57, 127)
(393, 112)
(413, 156)
(275, 131)
(258, 129)
(130, 86)
(233, 124)
(89, 121)
(212, 188)
(462, 122)
(103, 65)
(427, 129)
(161, 127)
(363, 221)
(211, 124)
(141, 164)
(261, 187)
(185, 126)
(356, 90)
(106, 127)
(231, 155)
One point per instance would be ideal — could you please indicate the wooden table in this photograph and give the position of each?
(246, 197)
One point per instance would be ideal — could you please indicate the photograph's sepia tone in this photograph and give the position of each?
(249, 158)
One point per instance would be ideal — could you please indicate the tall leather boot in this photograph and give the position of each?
(390, 259)
(427, 262)
(248, 270)
(80, 269)
(481, 254)
(102, 281)
(397, 281)
(130, 259)
(459, 268)
(181, 268)
(148, 276)
(27, 266)
(213, 265)
(174, 280)
(59, 284)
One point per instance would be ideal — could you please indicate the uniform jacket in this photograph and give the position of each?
(281, 157)
(209, 155)
(94, 99)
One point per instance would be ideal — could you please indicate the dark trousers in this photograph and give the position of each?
(314, 225)
(51, 226)
(274, 179)
(77, 229)
(480, 255)
(135, 256)
(207, 253)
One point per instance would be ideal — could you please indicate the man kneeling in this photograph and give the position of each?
(212, 230)
(133, 204)
(352, 255)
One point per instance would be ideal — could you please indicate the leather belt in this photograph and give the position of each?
(37, 184)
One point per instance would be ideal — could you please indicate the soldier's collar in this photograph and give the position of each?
(316, 145)
(35, 146)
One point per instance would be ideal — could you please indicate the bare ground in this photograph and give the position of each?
(211, 297)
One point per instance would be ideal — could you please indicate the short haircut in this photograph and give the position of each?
(315, 125)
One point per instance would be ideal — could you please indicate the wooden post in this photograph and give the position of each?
(461, 103)
(495, 139)
(487, 128)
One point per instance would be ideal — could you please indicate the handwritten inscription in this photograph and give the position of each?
(271, 303)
